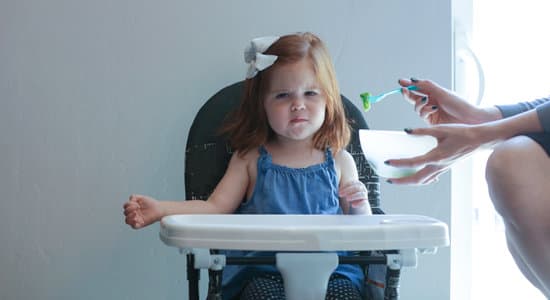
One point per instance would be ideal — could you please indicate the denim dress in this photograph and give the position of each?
(284, 190)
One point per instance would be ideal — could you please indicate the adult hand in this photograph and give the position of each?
(437, 105)
(454, 142)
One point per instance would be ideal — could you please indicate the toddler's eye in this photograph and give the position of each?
(311, 93)
(281, 95)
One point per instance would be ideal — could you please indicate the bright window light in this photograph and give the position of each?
(511, 41)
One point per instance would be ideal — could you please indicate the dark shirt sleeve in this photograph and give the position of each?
(541, 105)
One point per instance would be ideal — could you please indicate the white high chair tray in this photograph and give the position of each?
(303, 232)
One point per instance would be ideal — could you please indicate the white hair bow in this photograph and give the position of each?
(253, 55)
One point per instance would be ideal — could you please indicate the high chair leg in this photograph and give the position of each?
(214, 285)
(193, 276)
(391, 292)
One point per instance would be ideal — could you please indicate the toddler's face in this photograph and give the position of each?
(294, 101)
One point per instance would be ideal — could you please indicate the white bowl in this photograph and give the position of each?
(381, 145)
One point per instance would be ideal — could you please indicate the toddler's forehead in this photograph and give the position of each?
(301, 73)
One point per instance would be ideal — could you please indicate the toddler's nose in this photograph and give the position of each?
(298, 104)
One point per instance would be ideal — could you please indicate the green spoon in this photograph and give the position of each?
(369, 99)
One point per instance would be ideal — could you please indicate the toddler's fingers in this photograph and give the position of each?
(135, 225)
(130, 206)
(136, 198)
(130, 221)
(134, 221)
(358, 203)
(131, 214)
(127, 205)
(358, 196)
(353, 193)
(346, 190)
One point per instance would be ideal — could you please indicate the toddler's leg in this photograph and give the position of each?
(270, 286)
(267, 286)
(341, 288)
(518, 175)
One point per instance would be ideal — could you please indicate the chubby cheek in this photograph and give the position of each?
(276, 117)
(319, 118)
(277, 121)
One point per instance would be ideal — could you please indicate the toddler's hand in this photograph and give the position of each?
(357, 195)
(141, 211)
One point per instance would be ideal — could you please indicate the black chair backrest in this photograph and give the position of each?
(207, 153)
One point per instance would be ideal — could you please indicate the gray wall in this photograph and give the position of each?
(96, 99)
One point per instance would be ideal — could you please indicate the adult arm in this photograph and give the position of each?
(542, 107)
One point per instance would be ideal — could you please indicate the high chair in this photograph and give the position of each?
(305, 244)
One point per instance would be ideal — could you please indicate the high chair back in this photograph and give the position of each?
(207, 153)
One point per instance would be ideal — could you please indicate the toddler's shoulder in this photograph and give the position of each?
(246, 157)
(342, 156)
(345, 164)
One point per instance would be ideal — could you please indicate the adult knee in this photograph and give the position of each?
(502, 171)
(505, 158)
(516, 174)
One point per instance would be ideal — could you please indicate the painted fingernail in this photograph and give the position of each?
(414, 79)
(387, 162)
(424, 99)
(434, 107)
(389, 181)
(408, 130)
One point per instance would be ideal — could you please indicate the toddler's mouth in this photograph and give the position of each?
(298, 120)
